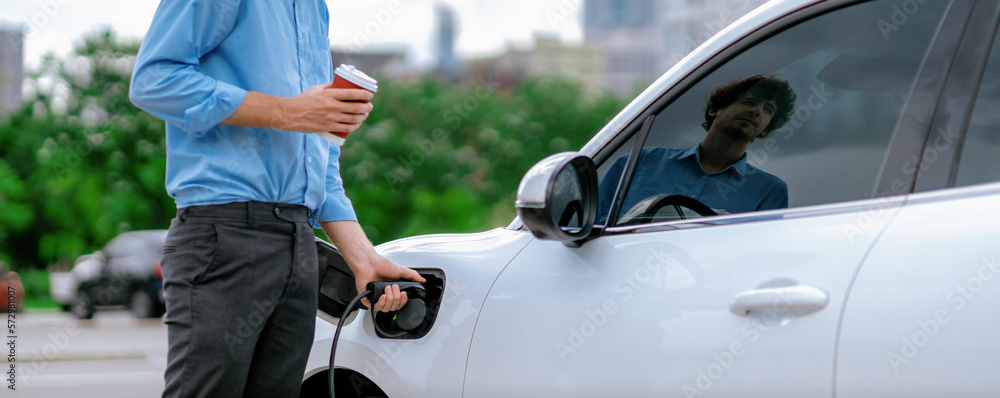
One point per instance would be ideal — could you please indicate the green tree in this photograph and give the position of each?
(434, 157)
(80, 164)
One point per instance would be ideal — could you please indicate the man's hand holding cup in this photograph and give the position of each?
(348, 77)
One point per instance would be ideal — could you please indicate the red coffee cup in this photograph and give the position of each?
(347, 76)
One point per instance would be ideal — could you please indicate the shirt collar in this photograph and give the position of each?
(740, 167)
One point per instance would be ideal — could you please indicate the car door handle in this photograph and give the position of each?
(797, 300)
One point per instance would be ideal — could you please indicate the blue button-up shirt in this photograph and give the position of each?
(739, 188)
(195, 66)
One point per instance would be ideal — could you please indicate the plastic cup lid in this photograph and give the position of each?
(357, 77)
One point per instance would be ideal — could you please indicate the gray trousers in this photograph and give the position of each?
(240, 285)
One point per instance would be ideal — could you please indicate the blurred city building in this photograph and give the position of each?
(548, 58)
(388, 61)
(444, 42)
(11, 66)
(391, 60)
(641, 39)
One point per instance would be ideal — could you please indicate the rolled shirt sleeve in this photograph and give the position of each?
(336, 207)
(194, 69)
(168, 81)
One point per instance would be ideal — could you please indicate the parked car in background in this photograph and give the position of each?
(63, 284)
(12, 288)
(880, 278)
(126, 272)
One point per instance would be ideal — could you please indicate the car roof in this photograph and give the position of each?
(136, 242)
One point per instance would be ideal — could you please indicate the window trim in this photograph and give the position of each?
(862, 206)
(960, 94)
(631, 164)
(911, 134)
(752, 39)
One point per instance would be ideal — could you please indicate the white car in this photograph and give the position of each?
(878, 279)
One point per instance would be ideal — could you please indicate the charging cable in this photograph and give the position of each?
(336, 336)
(374, 289)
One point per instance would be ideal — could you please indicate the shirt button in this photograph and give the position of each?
(309, 159)
(277, 211)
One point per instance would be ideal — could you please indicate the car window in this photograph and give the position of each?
(979, 161)
(851, 71)
(135, 251)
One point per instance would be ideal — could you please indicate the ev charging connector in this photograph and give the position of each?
(406, 318)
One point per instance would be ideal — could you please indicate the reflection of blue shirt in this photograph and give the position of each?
(737, 189)
(194, 69)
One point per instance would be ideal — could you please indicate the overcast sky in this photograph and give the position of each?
(485, 26)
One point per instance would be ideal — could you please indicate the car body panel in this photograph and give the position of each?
(650, 310)
(431, 365)
(921, 317)
(62, 287)
(579, 303)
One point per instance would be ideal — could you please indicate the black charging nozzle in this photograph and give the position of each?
(412, 314)
(407, 318)
(414, 290)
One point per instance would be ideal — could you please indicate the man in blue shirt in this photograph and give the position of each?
(240, 84)
(715, 172)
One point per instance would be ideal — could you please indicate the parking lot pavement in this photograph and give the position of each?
(113, 355)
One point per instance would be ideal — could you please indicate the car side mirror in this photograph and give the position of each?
(557, 198)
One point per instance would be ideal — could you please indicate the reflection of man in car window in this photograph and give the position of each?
(716, 172)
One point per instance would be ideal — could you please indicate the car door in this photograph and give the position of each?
(920, 320)
(744, 304)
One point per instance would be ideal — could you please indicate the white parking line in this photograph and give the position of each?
(95, 379)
